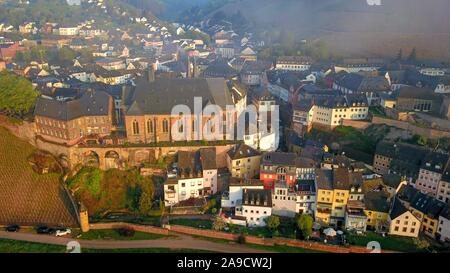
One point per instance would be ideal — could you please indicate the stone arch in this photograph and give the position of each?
(91, 158)
(112, 160)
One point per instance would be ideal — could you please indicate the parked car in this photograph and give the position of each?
(12, 228)
(62, 232)
(45, 230)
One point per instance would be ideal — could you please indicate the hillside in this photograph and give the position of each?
(27, 198)
(353, 25)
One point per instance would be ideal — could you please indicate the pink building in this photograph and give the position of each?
(430, 173)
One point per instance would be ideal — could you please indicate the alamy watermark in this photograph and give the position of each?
(374, 2)
(211, 123)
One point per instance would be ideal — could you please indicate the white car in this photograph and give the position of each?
(62, 232)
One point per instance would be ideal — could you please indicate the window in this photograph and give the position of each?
(135, 128)
(150, 126)
(165, 125)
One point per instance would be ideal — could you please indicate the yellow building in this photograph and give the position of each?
(333, 188)
(377, 210)
(243, 161)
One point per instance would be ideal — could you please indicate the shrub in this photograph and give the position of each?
(126, 232)
(219, 223)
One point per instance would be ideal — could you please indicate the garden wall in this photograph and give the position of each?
(203, 232)
(234, 237)
(140, 228)
(427, 132)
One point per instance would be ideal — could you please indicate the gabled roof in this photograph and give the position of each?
(392, 180)
(324, 179)
(435, 162)
(208, 158)
(397, 209)
(341, 179)
(279, 158)
(415, 92)
(161, 95)
(219, 68)
(242, 151)
(377, 201)
(91, 103)
(407, 193)
(360, 83)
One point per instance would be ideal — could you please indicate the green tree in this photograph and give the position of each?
(17, 95)
(146, 198)
(273, 222)
(66, 55)
(419, 139)
(305, 224)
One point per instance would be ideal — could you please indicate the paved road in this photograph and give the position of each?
(179, 242)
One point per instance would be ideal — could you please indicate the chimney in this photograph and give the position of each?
(150, 74)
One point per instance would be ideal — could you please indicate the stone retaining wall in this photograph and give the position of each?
(140, 228)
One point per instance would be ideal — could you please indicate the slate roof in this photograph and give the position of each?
(219, 69)
(361, 83)
(208, 158)
(294, 60)
(91, 103)
(397, 209)
(446, 175)
(304, 162)
(258, 197)
(435, 162)
(377, 201)
(159, 96)
(421, 202)
(341, 101)
(341, 179)
(305, 186)
(242, 151)
(324, 179)
(415, 92)
(412, 153)
(407, 193)
(392, 180)
(445, 212)
(279, 158)
(237, 181)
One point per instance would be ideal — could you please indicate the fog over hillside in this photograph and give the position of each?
(355, 25)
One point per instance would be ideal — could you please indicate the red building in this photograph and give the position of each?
(277, 166)
(9, 51)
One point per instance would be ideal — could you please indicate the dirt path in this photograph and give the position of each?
(179, 242)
